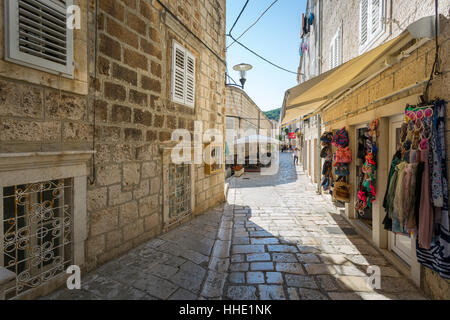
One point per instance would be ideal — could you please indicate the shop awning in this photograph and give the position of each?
(309, 96)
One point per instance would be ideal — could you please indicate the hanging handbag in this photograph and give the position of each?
(325, 153)
(341, 192)
(343, 155)
(340, 139)
(326, 170)
(327, 137)
(341, 170)
(326, 184)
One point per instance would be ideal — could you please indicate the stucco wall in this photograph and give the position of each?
(400, 14)
(309, 65)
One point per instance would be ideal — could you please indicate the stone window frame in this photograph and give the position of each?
(14, 55)
(79, 83)
(188, 55)
(26, 168)
(166, 151)
(175, 32)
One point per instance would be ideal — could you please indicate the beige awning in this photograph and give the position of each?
(309, 96)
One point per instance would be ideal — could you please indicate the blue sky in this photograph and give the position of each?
(276, 37)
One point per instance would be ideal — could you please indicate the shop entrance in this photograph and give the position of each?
(398, 243)
(365, 216)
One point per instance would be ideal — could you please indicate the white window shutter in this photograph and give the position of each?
(183, 76)
(332, 54)
(364, 22)
(190, 80)
(178, 73)
(336, 51)
(37, 35)
(376, 18)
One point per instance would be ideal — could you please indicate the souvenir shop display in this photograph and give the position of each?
(416, 199)
(342, 159)
(326, 154)
(367, 170)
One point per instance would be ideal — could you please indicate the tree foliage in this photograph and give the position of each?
(273, 114)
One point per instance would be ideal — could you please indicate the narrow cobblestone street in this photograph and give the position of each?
(274, 239)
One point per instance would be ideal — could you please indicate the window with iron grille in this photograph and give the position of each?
(37, 35)
(36, 233)
(183, 75)
(179, 192)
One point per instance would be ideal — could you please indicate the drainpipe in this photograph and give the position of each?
(319, 34)
(319, 160)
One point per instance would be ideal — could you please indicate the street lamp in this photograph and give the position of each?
(243, 68)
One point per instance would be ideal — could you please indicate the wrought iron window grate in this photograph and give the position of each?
(179, 192)
(37, 233)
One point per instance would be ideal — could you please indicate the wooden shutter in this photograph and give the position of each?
(183, 76)
(37, 35)
(364, 22)
(178, 73)
(190, 79)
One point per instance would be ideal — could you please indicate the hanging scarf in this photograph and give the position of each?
(437, 257)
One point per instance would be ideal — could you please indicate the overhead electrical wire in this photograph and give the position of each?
(173, 15)
(239, 16)
(261, 57)
(253, 24)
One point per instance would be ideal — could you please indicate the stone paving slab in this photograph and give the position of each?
(274, 239)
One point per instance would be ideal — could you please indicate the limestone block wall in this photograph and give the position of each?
(239, 104)
(40, 111)
(411, 70)
(128, 94)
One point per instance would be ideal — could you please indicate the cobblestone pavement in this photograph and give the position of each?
(274, 239)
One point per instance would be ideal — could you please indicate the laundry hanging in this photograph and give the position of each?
(437, 257)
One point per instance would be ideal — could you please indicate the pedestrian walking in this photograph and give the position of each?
(296, 157)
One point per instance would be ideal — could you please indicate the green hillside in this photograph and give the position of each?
(273, 114)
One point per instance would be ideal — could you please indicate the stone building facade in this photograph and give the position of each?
(395, 17)
(114, 120)
(382, 96)
(348, 112)
(310, 65)
(243, 113)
